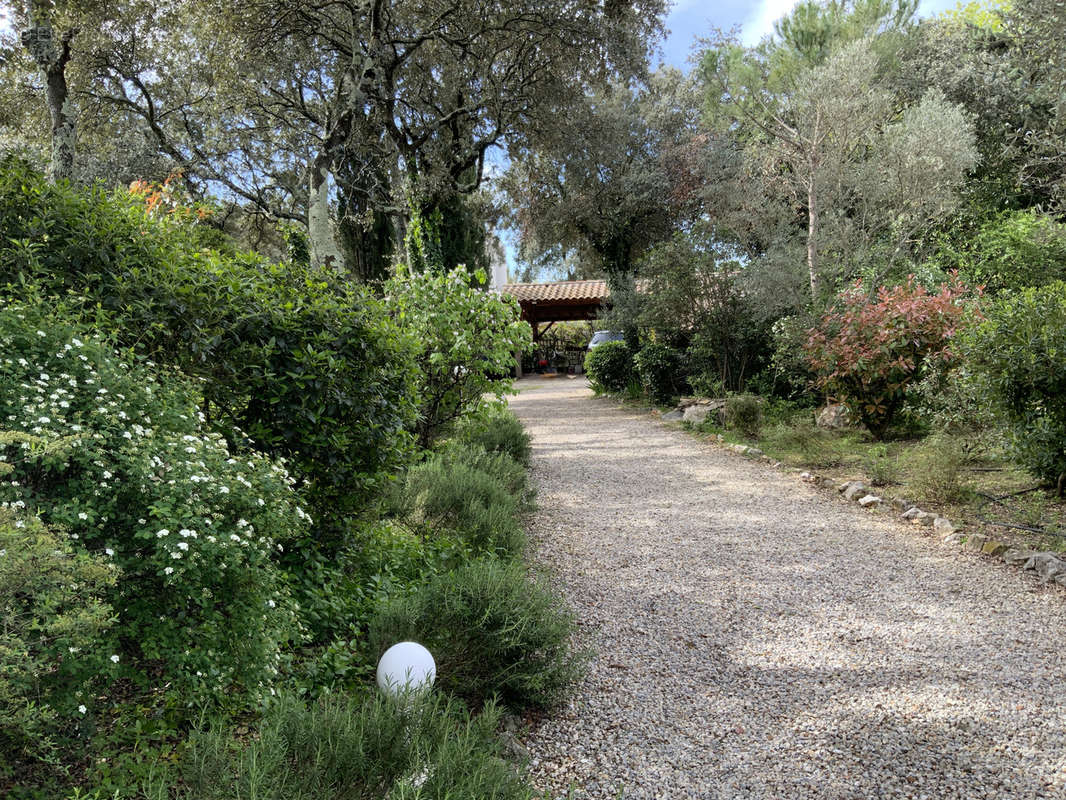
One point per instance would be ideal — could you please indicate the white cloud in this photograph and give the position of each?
(761, 20)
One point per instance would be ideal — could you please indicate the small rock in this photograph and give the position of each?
(976, 542)
(1060, 579)
(674, 416)
(870, 501)
(833, 417)
(844, 486)
(806, 476)
(953, 538)
(993, 548)
(1046, 565)
(1016, 556)
(900, 504)
(853, 490)
(943, 526)
(924, 518)
(754, 451)
(911, 512)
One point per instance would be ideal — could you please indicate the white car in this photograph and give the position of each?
(599, 337)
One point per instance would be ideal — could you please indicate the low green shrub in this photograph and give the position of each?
(661, 372)
(55, 634)
(494, 632)
(496, 430)
(511, 475)
(882, 468)
(934, 470)
(341, 748)
(466, 339)
(744, 413)
(116, 454)
(1019, 352)
(453, 492)
(339, 596)
(610, 367)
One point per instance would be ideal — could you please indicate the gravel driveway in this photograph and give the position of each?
(757, 639)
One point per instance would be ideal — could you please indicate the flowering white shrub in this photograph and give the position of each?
(116, 453)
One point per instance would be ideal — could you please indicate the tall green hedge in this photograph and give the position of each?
(307, 365)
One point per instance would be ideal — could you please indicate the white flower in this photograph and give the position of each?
(175, 555)
(271, 603)
(162, 533)
(42, 334)
(114, 659)
(82, 515)
(224, 489)
(183, 545)
(107, 474)
(168, 571)
(82, 709)
(109, 551)
(234, 537)
(185, 533)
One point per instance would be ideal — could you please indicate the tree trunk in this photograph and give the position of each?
(39, 41)
(320, 235)
(812, 237)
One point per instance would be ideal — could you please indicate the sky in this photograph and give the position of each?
(692, 18)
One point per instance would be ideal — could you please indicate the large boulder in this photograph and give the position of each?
(833, 417)
(701, 409)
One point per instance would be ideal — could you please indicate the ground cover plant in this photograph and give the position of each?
(357, 749)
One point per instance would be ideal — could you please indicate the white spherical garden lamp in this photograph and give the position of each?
(406, 667)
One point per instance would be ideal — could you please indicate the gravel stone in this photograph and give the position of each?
(754, 640)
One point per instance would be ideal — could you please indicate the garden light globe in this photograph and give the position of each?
(406, 666)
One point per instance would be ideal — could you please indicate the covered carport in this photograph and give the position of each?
(544, 304)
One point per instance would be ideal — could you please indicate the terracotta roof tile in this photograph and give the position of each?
(574, 291)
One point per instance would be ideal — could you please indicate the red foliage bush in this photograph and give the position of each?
(866, 351)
